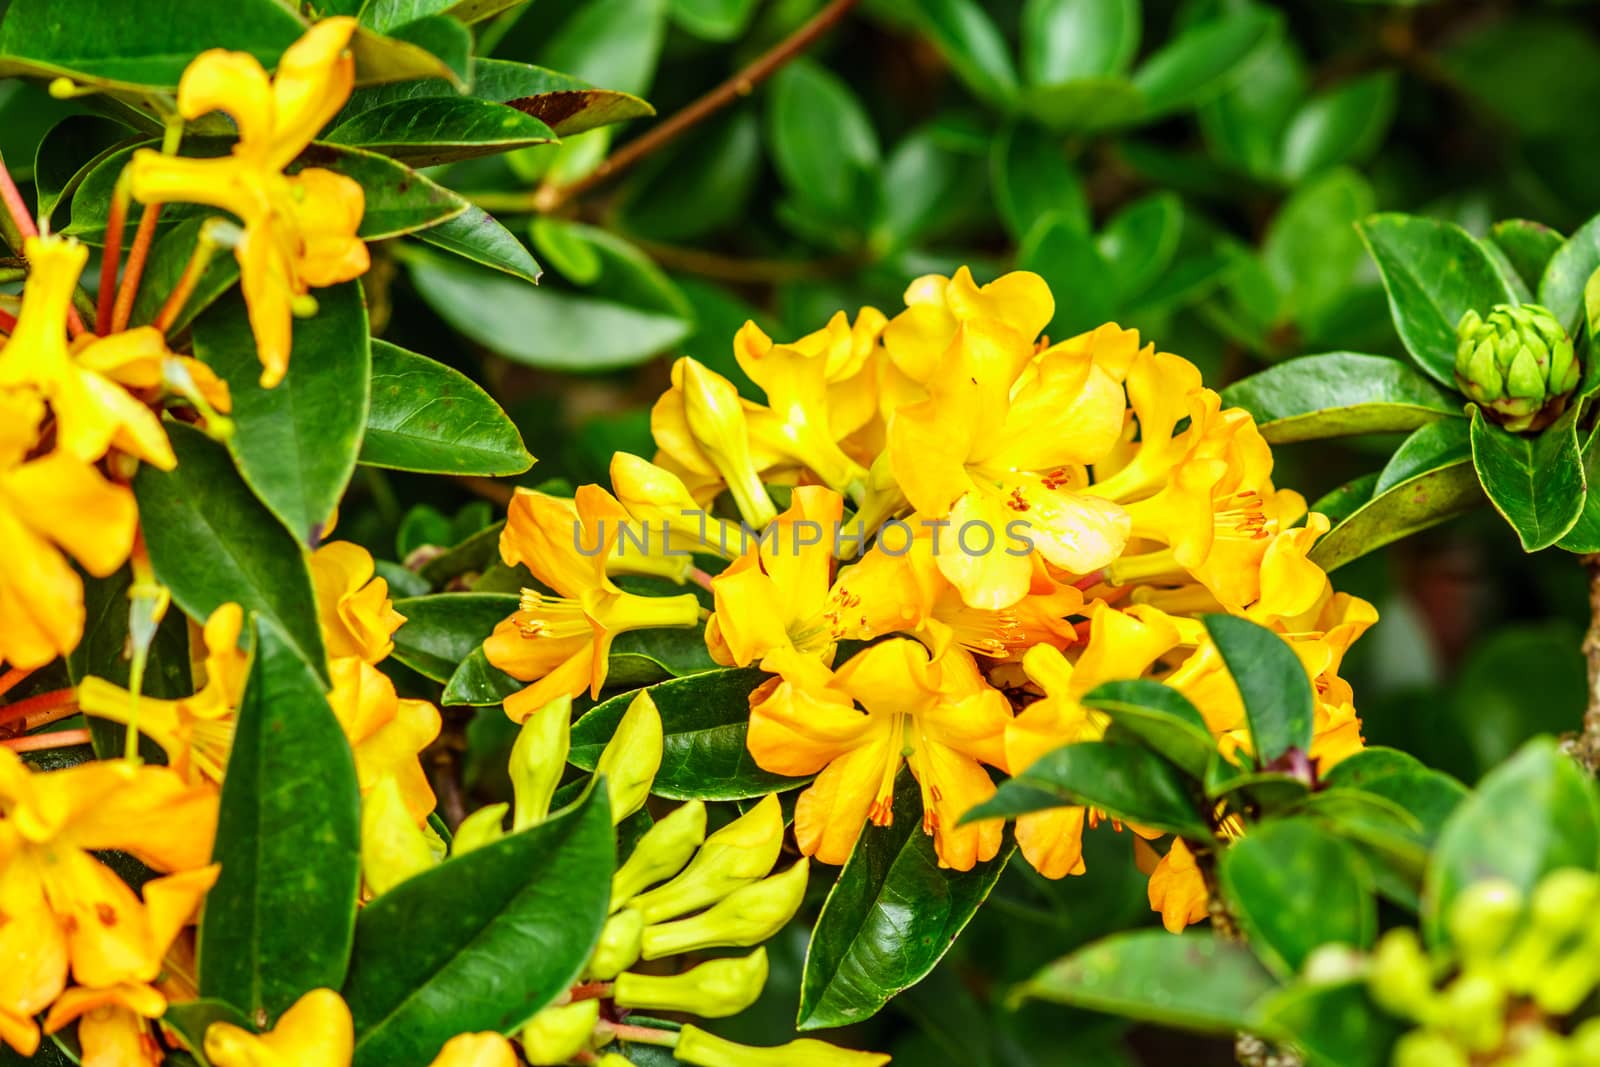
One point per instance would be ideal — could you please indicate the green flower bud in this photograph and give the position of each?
(712, 990)
(1564, 900)
(707, 1050)
(735, 855)
(1425, 1048)
(1474, 1010)
(483, 827)
(1483, 917)
(632, 757)
(1532, 1045)
(1401, 978)
(559, 1033)
(747, 916)
(1583, 1046)
(393, 847)
(538, 759)
(660, 853)
(619, 945)
(1519, 365)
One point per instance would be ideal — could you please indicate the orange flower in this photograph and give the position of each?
(1177, 889)
(353, 606)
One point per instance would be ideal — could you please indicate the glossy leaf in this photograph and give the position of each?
(889, 919)
(704, 718)
(428, 47)
(1337, 394)
(168, 258)
(431, 418)
(1195, 981)
(484, 940)
(1271, 682)
(1528, 246)
(296, 443)
(1531, 815)
(212, 542)
(1534, 481)
(68, 152)
(1032, 178)
(1434, 273)
(1200, 62)
(1138, 243)
(1085, 104)
(823, 144)
(190, 1020)
(279, 921)
(1421, 501)
(1344, 123)
(1067, 39)
(442, 630)
(476, 235)
(967, 37)
(1160, 716)
(1585, 533)
(398, 199)
(424, 133)
(1568, 271)
(1430, 447)
(1266, 875)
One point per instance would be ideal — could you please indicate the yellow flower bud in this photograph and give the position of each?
(1401, 979)
(614, 1059)
(632, 757)
(735, 855)
(1474, 1010)
(712, 990)
(538, 759)
(476, 1050)
(393, 847)
(1424, 1048)
(619, 945)
(707, 1050)
(659, 499)
(559, 1033)
(1483, 917)
(1563, 900)
(1584, 1044)
(715, 415)
(483, 827)
(747, 916)
(660, 853)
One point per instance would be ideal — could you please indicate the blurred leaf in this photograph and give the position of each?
(279, 921)
(1567, 272)
(431, 418)
(1067, 39)
(1518, 680)
(969, 40)
(1056, 248)
(1195, 981)
(1272, 683)
(1266, 875)
(423, 133)
(713, 20)
(1031, 178)
(1085, 104)
(1159, 716)
(477, 236)
(823, 144)
(1517, 66)
(429, 47)
(1245, 125)
(1527, 246)
(1336, 1023)
(1534, 481)
(932, 186)
(1434, 273)
(703, 186)
(1339, 393)
(563, 245)
(611, 43)
(889, 919)
(1140, 240)
(1340, 503)
(1201, 61)
(1335, 127)
(1312, 250)
(1532, 815)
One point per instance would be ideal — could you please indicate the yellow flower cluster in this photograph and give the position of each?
(1008, 521)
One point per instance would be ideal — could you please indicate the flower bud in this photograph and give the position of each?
(1564, 900)
(1518, 364)
(1532, 1045)
(538, 759)
(619, 945)
(393, 847)
(1583, 1046)
(660, 853)
(707, 1050)
(658, 498)
(476, 1050)
(559, 1033)
(716, 418)
(483, 827)
(1474, 1010)
(1401, 979)
(714, 989)
(747, 916)
(632, 757)
(735, 855)
(613, 1059)
(1425, 1048)
(1483, 917)
(1332, 963)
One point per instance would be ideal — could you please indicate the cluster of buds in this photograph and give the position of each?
(1519, 969)
(1518, 364)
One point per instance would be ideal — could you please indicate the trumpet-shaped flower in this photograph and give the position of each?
(702, 427)
(387, 733)
(889, 705)
(937, 307)
(353, 606)
(1177, 889)
(300, 230)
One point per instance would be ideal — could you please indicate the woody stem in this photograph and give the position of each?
(1586, 746)
(41, 742)
(137, 254)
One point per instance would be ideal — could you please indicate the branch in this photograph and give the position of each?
(1585, 746)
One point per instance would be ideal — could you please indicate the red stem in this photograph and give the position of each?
(142, 240)
(115, 224)
(57, 739)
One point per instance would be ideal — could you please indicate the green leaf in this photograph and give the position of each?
(1335, 1023)
(1245, 125)
(1429, 447)
(476, 235)
(1417, 503)
(1140, 241)
(1057, 248)
(279, 921)
(190, 1020)
(704, 718)
(211, 542)
(1343, 124)
(702, 186)
(424, 133)
(1203, 60)
(68, 152)
(1272, 683)
(427, 47)
(889, 919)
(1031, 177)
(399, 200)
(1085, 104)
(1195, 981)
(1312, 250)
(442, 630)
(1534, 481)
(1127, 782)
(713, 20)
(971, 43)
(1161, 717)
(615, 43)
(168, 257)
(385, 15)
(478, 683)
(484, 940)
(1585, 533)
(1340, 503)
(823, 144)
(1337, 394)
(296, 443)
(1532, 815)
(1434, 273)
(1267, 876)
(1568, 271)
(1067, 39)
(431, 418)
(1528, 245)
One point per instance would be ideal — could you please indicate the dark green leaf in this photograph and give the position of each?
(1067, 39)
(1534, 481)
(1421, 501)
(1140, 240)
(399, 200)
(1339, 504)
(1434, 273)
(1336, 1023)
(614, 43)
(1312, 251)
(823, 144)
(428, 47)
(1337, 394)
(190, 1020)
(704, 718)
(442, 630)
(1568, 271)
(1057, 247)
(713, 20)
(1085, 104)
(431, 418)
(1267, 876)
(1342, 124)
(476, 235)
(1031, 177)
(68, 152)
(478, 683)
(212, 542)
(701, 187)
(1585, 533)
(1437, 444)
(1161, 717)
(483, 941)
(891, 916)
(971, 43)
(1201, 61)
(279, 921)
(424, 133)
(1272, 683)
(1528, 246)
(1195, 981)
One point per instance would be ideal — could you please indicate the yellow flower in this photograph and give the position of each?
(93, 412)
(299, 231)
(353, 607)
(658, 501)
(937, 715)
(386, 733)
(937, 307)
(561, 643)
(1177, 889)
(702, 426)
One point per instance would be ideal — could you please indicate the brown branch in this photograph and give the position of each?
(549, 198)
(1585, 746)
